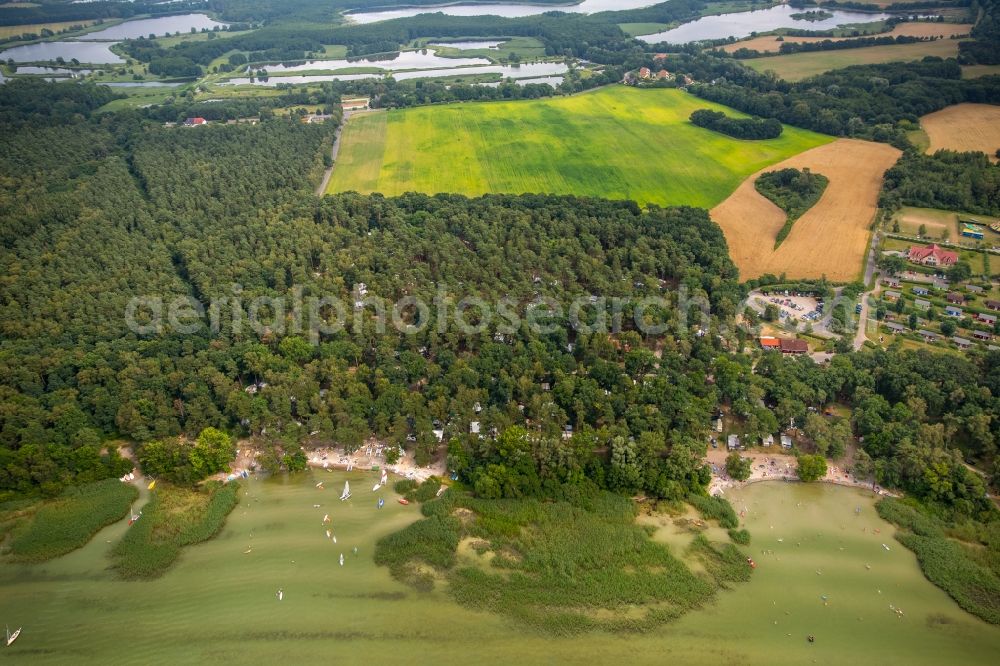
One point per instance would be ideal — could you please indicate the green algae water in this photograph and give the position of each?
(821, 570)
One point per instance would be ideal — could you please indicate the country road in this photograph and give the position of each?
(334, 151)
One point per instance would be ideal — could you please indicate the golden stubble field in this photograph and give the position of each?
(964, 127)
(832, 237)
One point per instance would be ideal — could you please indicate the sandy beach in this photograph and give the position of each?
(775, 467)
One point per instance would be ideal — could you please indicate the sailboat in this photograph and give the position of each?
(381, 502)
(281, 594)
(347, 491)
(11, 637)
(376, 487)
(326, 519)
(384, 479)
(329, 534)
(341, 559)
(152, 484)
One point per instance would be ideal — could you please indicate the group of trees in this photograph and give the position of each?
(946, 180)
(739, 128)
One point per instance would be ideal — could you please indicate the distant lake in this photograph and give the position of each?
(52, 71)
(403, 60)
(527, 71)
(157, 26)
(741, 24)
(506, 10)
(553, 81)
(89, 52)
(140, 84)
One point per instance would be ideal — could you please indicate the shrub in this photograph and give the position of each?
(741, 537)
(715, 508)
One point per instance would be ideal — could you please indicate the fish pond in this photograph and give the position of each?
(821, 570)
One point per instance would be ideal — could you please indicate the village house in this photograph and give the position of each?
(955, 297)
(982, 335)
(194, 122)
(733, 442)
(928, 336)
(931, 255)
(662, 75)
(952, 311)
(892, 295)
(891, 282)
(986, 318)
(786, 442)
(993, 305)
(974, 289)
(895, 328)
(921, 291)
(767, 440)
(962, 343)
(793, 346)
(644, 73)
(921, 304)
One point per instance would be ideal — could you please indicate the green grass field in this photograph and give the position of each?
(798, 66)
(615, 142)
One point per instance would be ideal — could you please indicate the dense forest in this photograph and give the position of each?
(947, 180)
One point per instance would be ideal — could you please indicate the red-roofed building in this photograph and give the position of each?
(769, 342)
(191, 122)
(932, 255)
(662, 74)
(644, 73)
(793, 346)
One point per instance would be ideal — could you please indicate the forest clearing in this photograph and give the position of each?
(964, 127)
(619, 143)
(830, 239)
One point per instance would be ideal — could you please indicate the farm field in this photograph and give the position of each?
(770, 43)
(615, 142)
(830, 238)
(964, 127)
(798, 66)
(975, 71)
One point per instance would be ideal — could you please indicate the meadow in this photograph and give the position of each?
(615, 142)
(798, 66)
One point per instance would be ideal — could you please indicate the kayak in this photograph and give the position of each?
(403, 500)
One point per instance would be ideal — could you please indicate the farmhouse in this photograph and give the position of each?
(955, 297)
(793, 346)
(982, 335)
(644, 73)
(892, 295)
(663, 75)
(921, 304)
(895, 328)
(970, 230)
(952, 311)
(931, 255)
(962, 343)
(194, 122)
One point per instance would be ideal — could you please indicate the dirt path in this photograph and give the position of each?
(321, 189)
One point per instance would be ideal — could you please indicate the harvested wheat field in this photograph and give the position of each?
(832, 236)
(770, 43)
(964, 127)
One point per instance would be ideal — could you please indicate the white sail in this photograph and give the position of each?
(376, 487)
(347, 491)
(341, 559)
(11, 637)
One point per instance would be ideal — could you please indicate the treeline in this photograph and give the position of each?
(946, 180)
(51, 12)
(739, 128)
(831, 45)
(985, 48)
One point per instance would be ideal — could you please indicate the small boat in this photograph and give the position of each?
(316, 506)
(341, 559)
(347, 491)
(885, 546)
(281, 594)
(334, 537)
(11, 637)
(152, 484)
(384, 479)
(329, 535)
(403, 500)
(376, 487)
(326, 519)
(381, 502)
(753, 565)
(249, 548)
(320, 485)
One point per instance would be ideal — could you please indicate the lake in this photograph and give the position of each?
(220, 604)
(508, 10)
(163, 25)
(472, 45)
(53, 71)
(97, 53)
(741, 24)
(402, 60)
(524, 71)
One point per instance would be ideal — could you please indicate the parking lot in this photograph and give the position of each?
(806, 309)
